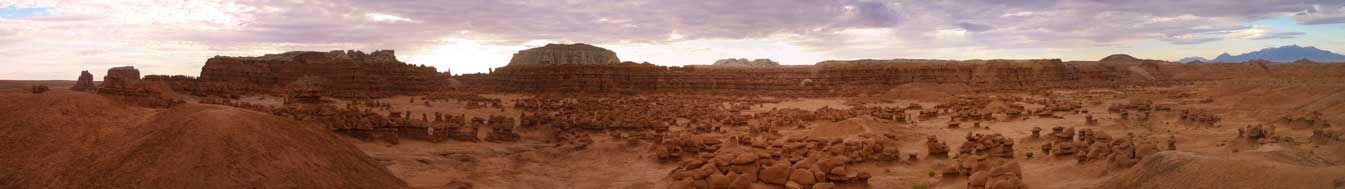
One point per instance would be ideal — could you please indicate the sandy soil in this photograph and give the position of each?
(66, 139)
(25, 85)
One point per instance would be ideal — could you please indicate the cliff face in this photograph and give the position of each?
(351, 74)
(585, 68)
(552, 54)
(862, 76)
(830, 77)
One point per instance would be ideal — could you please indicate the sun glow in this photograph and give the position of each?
(466, 55)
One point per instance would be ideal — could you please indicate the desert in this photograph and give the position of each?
(1116, 123)
(320, 109)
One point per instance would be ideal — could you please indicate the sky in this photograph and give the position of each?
(55, 39)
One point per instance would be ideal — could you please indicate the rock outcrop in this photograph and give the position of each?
(121, 81)
(127, 72)
(85, 83)
(743, 62)
(1007, 176)
(936, 147)
(125, 83)
(578, 53)
(585, 68)
(825, 78)
(342, 74)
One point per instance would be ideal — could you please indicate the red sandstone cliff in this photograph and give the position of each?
(351, 74)
(859, 76)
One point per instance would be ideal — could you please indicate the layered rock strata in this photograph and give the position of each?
(345, 74)
(554, 54)
(125, 83)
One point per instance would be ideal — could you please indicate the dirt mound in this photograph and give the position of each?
(1175, 169)
(65, 139)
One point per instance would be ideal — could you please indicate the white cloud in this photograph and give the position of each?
(384, 18)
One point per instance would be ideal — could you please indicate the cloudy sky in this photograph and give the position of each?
(55, 39)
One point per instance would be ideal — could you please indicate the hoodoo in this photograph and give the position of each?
(85, 82)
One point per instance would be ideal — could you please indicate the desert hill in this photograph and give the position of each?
(82, 140)
(1185, 169)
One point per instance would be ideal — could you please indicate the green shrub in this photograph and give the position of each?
(931, 173)
(920, 186)
(1029, 155)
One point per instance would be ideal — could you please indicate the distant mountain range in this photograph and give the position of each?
(1277, 54)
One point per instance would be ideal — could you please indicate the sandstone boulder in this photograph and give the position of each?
(803, 177)
(744, 158)
(718, 181)
(775, 174)
(40, 89)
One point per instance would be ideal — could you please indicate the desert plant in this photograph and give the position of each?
(920, 186)
(1029, 155)
(931, 173)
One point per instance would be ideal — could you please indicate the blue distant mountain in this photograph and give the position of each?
(1193, 59)
(1283, 54)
